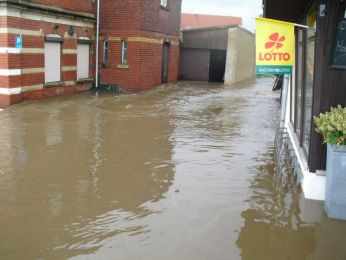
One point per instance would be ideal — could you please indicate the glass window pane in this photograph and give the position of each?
(299, 83)
(309, 77)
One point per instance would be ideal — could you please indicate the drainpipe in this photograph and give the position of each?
(284, 98)
(97, 44)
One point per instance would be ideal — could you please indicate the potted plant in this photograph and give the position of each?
(332, 125)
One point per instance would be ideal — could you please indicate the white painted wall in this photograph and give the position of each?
(240, 61)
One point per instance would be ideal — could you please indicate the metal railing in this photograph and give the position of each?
(286, 160)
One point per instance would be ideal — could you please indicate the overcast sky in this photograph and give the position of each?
(243, 8)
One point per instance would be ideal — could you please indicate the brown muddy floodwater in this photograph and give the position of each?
(181, 172)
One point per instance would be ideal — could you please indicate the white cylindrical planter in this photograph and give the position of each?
(335, 201)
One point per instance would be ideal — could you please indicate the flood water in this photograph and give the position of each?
(180, 172)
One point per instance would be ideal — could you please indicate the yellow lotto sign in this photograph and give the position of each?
(274, 46)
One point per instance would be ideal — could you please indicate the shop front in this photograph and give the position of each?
(318, 80)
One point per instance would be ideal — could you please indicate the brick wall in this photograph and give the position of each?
(85, 6)
(29, 61)
(156, 18)
(122, 15)
(144, 61)
(145, 25)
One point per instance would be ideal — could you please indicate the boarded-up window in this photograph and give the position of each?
(52, 61)
(82, 61)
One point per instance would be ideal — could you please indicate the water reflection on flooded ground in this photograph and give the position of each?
(182, 172)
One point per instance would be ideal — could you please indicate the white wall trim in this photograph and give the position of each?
(21, 31)
(69, 68)
(8, 50)
(5, 11)
(70, 83)
(14, 72)
(313, 185)
(32, 70)
(69, 51)
(17, 72)
(32, 87)
(18, 90)
(10, 91)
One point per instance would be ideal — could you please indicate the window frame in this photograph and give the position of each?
(124, 51)
(105, 53)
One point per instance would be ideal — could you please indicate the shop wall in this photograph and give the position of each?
(329, 83)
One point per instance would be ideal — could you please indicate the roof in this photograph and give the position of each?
(213, 28)
(194, 21)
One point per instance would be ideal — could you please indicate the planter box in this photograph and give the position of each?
(335, 201)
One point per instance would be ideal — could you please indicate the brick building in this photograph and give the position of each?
(47, 46)
(44, 48)
(139, 43)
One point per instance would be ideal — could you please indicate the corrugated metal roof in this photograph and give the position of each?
(194, 21)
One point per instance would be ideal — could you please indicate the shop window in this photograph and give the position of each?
(124, 45)
(309, 78)
(82, 60)
(302, 92)
(52, 58)
(105, 53)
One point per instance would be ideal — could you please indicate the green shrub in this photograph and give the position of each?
(332, 125)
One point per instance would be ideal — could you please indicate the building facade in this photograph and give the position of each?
(217, 54)
(319, 78)
(139, 43)
(47, 47)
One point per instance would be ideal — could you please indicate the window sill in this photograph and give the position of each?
(123, 66)
(164, 8)
(53, 84)
(84, 80)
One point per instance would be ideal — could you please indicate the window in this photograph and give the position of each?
(123, 52)
(82, 61)
(164, 3)
(302, 93)
(52, 58)
(105, 53)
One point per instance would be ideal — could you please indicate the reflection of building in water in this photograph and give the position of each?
(274, 227)
(7, 154)
(280, 224)
(56, 200)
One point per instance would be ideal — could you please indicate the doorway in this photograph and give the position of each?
(217, 65)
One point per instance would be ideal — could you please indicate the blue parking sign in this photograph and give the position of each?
(19, 42)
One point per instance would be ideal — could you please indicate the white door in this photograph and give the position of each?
(52, 62)
(82, 61)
